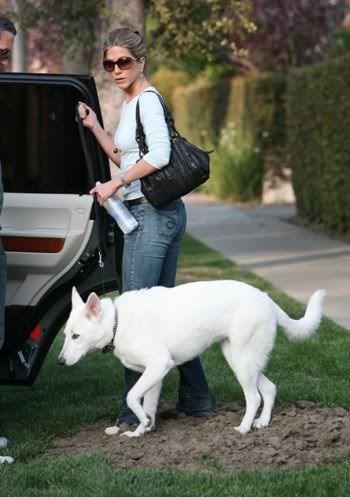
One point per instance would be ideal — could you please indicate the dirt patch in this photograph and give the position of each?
(305, 434)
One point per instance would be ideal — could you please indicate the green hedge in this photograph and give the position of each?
(199, 109)
(166, 80)
(318, 117)
(252, 110)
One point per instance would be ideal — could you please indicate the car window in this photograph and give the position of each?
(39, 140)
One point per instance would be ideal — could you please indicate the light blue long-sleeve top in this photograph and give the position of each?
(157, 137)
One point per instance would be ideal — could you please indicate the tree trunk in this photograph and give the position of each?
(19, 58)
(78, 62)
(128, 13)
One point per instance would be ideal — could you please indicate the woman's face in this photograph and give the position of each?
(124, 78)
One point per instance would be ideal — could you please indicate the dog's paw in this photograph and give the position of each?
(242, 429)
(6, 459)
(146, 421)
(151, 424)
(112, 430)
(260, 423)
(150, 427)
(131, 434)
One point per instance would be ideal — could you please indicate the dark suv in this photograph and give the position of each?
(52, 230)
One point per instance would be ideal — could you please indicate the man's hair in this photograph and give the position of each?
(7, 25)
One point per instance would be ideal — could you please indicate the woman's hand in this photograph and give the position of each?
(106, 190)
(87, 115)
(90, 121)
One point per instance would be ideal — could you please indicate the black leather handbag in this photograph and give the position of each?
(188, 166)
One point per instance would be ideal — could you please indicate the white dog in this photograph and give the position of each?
(5, 459)
(153, 330)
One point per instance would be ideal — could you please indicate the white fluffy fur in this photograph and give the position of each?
(6, 459)
(160, 328)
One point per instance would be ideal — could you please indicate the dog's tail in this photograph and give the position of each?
(302, 329)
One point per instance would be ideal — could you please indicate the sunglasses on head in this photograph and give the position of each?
(123, 63)
(5, 53)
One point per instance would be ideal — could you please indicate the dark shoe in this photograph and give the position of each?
(199, 406)
(127, 426)
(171, 413)
(196, 413)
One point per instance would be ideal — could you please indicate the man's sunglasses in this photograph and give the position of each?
(123, 63)
(5, 53)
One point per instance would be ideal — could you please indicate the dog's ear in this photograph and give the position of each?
(93, 307)
(76, 299)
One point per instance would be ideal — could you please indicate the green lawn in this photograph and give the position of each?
(62, 399)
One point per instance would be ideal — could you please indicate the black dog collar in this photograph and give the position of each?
(110, 346)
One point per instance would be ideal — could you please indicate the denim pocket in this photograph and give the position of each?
(138, 212)
(168, 220)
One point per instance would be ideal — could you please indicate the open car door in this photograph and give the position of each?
(53, 232)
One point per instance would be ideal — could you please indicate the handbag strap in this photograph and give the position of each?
(140, 134)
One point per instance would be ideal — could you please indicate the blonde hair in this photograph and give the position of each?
(127, 38)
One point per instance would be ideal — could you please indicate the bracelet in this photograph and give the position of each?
(124, 183)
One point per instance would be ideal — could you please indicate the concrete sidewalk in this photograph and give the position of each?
(296, 260)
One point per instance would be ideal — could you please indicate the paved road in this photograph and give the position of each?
(261, 239)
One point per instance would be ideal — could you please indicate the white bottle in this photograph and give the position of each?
(115, 208)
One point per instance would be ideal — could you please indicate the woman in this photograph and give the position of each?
(150, 251)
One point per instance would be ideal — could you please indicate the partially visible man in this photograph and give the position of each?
(7, 36)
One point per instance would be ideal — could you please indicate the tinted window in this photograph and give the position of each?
(40, 149)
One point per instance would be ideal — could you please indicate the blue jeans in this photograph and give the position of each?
(150, 259)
